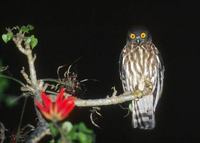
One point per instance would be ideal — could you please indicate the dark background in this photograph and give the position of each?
(96, 32)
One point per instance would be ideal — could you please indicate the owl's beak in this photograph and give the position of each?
(138, 40)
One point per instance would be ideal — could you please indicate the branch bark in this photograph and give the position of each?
(105, 101)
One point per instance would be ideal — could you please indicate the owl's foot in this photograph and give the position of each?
(138, 93)
(148, 87)
(146, 91)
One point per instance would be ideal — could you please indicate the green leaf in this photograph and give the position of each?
(24, 29)
(34, 41)
(30, 27)
(3, 81)
(7, 37)
(81, 134)
(3, 84)
(52, 141)
(54, 131)
(10, 101)
(83, 128)
(83, 138)
(28, 40)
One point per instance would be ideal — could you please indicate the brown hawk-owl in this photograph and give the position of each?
(142, 74)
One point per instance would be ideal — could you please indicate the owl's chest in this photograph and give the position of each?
(139, 59)
(140, 65)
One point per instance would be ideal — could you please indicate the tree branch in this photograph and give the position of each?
(2, 132)
(105, 101)
(26, 50)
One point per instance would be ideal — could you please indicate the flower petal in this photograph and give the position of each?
(46, 100)
(47, 115)
(58, 110)
(59, 98)
(40, 106)
(68, 106)
(43, 109)
(64, 103)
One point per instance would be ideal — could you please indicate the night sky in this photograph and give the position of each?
(96, 33)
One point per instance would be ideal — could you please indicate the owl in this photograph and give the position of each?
(142, 73)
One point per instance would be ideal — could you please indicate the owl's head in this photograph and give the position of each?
(138, 35)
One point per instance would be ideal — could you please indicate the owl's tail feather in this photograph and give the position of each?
(142, 113)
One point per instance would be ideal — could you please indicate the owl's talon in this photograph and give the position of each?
(138, 93)
(148, 87)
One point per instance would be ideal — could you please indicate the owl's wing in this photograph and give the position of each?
(121, 69)
(159, 81)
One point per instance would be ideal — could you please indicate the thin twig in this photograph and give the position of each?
(39, 133)
(12, 78)
(63, 138)
(20, 121)
(93, 111)
(2, 132)
(25, 75)
(3, 68)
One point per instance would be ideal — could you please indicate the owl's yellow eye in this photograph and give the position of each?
(132, 36)
(143, 35)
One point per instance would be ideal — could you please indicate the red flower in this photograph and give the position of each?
(58, 110)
